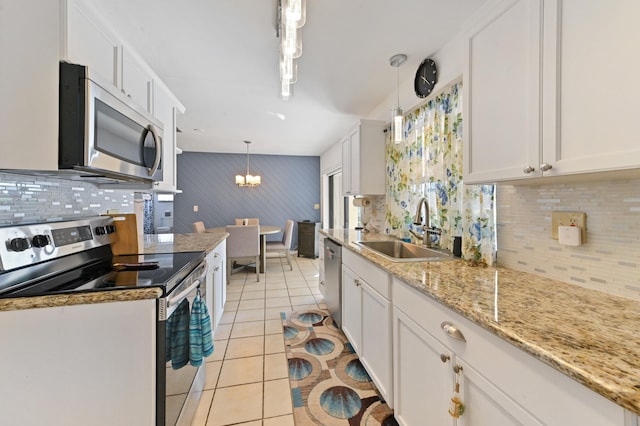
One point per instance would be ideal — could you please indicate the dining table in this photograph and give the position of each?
(264, 231)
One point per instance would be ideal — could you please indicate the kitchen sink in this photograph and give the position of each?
(399, 251)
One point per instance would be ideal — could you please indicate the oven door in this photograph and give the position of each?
(183, 382)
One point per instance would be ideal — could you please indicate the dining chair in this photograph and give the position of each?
(198, 227)
(282, 248)
(243, 243)
(247, 221)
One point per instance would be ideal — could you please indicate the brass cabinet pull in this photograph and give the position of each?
(444, 358)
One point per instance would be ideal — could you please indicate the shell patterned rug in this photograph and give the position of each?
(329, 385)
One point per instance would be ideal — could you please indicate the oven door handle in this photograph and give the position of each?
(174, 300)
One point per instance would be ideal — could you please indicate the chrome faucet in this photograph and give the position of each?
(423, 221)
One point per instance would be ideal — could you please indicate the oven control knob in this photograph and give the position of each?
(111, 229)
(100, 230)
(19, 244)
(40, 241)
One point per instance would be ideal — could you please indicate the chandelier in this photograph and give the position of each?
(291, 15)
(248, 179)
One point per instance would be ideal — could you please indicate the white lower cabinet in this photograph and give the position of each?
(366, 319)
(216, 282)
(422, 381)
(499, 384)
(92, 364)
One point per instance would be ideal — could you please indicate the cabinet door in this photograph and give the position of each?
(137, 82)
(502, 93)
(376, 346)
(89, 43)
(486, 405)
(219, 282)
(591, 89)
(29, 36)
(355, 161)
(165, 111)
(423, 382)
(352, 308)
(346, 167)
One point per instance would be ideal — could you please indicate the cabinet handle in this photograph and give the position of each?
(444, 358)
(357, 282)
(457, 369)
(216, 254)
(529, 169)
(217, 268)
(452, 331)
(545, 167)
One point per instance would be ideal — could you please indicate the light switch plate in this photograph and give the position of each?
(578, 219)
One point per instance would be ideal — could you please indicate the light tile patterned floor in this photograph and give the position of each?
(247, 375)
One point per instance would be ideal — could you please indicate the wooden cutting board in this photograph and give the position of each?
(126, 235)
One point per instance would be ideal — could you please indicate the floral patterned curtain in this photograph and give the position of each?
(429, 164)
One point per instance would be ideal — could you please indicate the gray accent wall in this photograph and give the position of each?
(290, 188)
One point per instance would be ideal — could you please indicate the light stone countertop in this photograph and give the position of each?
(175, 243)
(590, 336)
(157, 243)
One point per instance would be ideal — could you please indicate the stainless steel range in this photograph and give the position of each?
(74, 257)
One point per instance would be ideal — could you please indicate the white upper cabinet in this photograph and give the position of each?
(165, 109)
(29, 87)
(67, 30)
(502, 93)
(591, 89)
(137, 80)
(550, 89)
(363, 151)
(86, 42)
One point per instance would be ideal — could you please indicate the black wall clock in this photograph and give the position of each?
(426, 78)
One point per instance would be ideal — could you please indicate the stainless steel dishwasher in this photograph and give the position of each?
(333, 279)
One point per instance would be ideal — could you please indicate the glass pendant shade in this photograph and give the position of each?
(291, 41)
(397, 120)
(295, 12)
(286, 90)
(288, 69)
(398, 125)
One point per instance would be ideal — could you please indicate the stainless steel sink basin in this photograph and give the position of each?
(399, 251)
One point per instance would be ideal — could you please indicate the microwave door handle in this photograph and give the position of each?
(156, 162)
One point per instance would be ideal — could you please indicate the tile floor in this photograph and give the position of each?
(247, 375)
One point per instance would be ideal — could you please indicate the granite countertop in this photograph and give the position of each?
(157, 243)
(80, 298)
(174, 243)
(588, 335)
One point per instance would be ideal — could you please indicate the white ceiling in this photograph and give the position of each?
(220, 58)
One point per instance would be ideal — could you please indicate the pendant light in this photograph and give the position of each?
(397, 119)
(248, 179)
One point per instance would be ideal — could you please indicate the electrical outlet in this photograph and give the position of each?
(578, 219)
(195, 209)
(316, 206)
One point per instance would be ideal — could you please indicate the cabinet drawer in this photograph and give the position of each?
(374, 276)
(551, 395)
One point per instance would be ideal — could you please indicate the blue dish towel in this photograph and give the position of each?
(177, 340)
(200, 337)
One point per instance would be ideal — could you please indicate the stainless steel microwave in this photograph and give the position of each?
(102, 133)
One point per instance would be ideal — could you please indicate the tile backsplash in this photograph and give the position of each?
(609, 261)
(25, 198)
